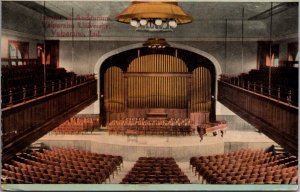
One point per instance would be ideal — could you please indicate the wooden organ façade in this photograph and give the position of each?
(159, 86)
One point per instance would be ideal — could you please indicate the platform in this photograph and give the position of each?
(179, 147)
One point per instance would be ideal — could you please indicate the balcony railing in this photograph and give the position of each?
(282, 94)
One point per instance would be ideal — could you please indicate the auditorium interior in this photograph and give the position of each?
(149, 92)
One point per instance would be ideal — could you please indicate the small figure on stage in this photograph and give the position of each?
(200, 131)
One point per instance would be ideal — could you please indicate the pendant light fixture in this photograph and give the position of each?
(154, 16)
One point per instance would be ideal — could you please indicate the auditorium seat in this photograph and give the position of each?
(246, 166)
(79, 124)
(285, 78)
(141, 126)
(151, 170)
(58, 166)
(16, 79)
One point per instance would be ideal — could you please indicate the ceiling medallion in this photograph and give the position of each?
(156, 43)
(154, 16)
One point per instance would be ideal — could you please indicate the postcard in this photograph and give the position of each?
(149, 95)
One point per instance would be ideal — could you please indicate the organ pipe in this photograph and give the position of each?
(165, 87)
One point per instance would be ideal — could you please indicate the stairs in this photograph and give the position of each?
(277, 149)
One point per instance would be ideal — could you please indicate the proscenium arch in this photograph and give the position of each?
(109, 54)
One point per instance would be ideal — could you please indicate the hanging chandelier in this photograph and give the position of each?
(154, 16)
(156, 43)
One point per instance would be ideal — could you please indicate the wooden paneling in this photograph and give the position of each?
(276, 119)
(27, 122)
(142, 112)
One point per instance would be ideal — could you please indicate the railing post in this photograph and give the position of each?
(59, 85)
(52, 86)
(24, 94)
(248, 85)
(269, 91)
(254, 87)
(234, 81)
(238, 81)
(278, 93)
(45, 88)
(66, 82)
(289, 97)
(10, 97)
(34, 91)
(261, 89)
(71, 81)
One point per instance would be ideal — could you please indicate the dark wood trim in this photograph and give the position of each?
(149, 74)
(276, 119)
(8, 151)
(274, 101)
(24, 105)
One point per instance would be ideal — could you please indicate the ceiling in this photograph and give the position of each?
(198, 10)
(209, 19)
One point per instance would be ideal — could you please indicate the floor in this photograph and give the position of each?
(127, 166)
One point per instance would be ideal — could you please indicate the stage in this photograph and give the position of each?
(182, 148)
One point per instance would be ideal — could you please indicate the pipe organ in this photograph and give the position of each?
(156, 81)
(201, 90)
(114, 98)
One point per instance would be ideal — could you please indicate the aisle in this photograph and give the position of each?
(185, 167)
(127, 166)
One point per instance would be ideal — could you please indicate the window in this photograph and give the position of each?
(293, 54)
(275, 55)
(18, 52)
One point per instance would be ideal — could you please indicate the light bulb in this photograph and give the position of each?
(133, 23)
(173, 24)
(143, 22)
(158, 22)
(164, 25)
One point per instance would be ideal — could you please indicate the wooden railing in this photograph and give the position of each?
(17, 61)
(11, 98)
(25, 122)
(283, 94)
(277, 119)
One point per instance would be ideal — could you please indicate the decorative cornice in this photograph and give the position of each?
(178, 39)
(13, 33)
(9, 32)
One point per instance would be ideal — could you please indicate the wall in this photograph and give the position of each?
(30, 29)
(23, 38)
(86, 54)
(18, 18)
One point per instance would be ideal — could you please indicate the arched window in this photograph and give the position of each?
(18, 52)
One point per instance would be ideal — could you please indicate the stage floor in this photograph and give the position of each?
(179, 147)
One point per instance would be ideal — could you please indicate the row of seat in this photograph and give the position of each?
(154, 170)
(141, 126)
(23, 83)
(246, 166)
(62, 166)
(77, 125)
(284, 82)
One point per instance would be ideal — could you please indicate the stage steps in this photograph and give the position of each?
(277, 149)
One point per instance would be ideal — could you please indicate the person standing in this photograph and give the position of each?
(201, 132)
